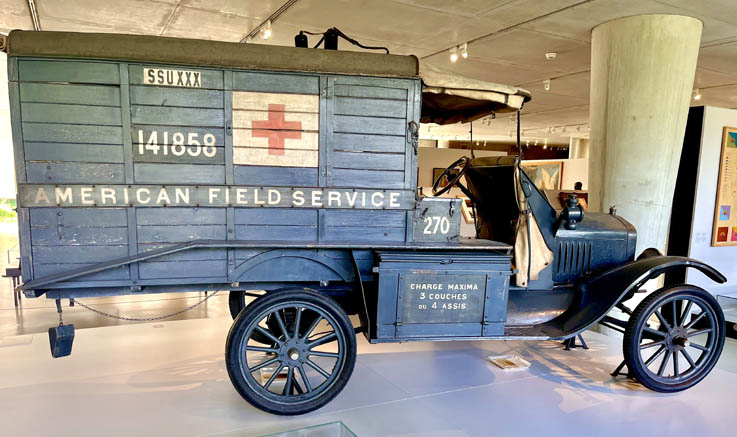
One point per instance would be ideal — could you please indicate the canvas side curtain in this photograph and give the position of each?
(542, 256)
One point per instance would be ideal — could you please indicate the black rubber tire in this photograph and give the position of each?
(296, 296)
(236, 302)
(631, 342)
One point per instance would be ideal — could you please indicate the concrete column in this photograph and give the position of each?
(642, 73)
(578, 148)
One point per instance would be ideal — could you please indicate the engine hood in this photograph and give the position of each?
(600, 241)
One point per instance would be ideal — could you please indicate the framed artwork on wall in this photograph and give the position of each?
(545, 175)
(724, 232)
(436, 172)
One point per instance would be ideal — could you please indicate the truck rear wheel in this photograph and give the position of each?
(236, 302)
(305, 365)
(674, 338)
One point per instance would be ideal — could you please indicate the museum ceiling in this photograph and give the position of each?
(509, 40)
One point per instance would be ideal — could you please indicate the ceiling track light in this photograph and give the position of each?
(696, 94)
(266, 30)
(550, 56)
(464, 50)
(454, 54)
(546, 84)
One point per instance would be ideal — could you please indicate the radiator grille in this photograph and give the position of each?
(574, 257)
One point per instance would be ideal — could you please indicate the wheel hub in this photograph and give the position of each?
(676, 339)
(293, 351)
(293, 354)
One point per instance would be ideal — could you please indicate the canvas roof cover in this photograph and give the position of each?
(450, 98)
(447, 98)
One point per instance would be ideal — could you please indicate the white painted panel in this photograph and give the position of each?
(261, 101)
(290, 158)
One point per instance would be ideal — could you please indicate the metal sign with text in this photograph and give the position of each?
(442, 298)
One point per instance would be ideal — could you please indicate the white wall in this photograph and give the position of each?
(7, 169)
(575, 170)
(722, 258)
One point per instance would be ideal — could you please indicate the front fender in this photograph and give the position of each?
(600, 293)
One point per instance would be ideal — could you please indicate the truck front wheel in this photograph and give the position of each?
(674, 338)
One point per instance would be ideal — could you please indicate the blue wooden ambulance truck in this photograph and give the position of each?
(149, 165)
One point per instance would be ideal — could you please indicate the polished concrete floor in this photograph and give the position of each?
(168, 378)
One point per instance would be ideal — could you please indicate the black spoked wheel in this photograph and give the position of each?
(674, 338)
(308, 359)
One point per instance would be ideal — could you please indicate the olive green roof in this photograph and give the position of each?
(140, 48)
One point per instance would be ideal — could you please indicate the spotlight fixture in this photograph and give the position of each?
(696, 94)
(564, 130)
(536, 142)
(550, 56)
(464, 50)
(578, 128)
(545, 146)
(266, 30)
(454, 54)
(527, 143)
(546, 84)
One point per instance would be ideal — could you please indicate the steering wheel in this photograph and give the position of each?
(460, 165)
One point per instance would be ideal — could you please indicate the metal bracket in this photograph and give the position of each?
(413, 134)
(328, 92)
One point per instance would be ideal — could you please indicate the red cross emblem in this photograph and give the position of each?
(276, 129)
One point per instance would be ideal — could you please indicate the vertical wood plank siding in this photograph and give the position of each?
(87, 122)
